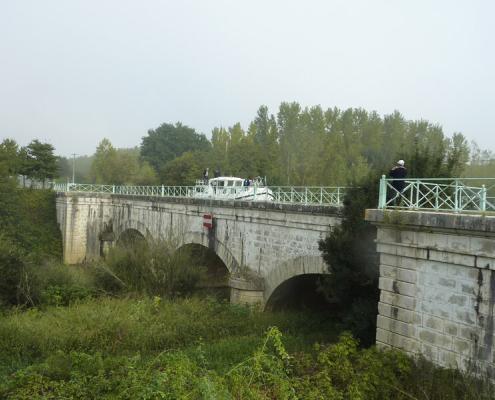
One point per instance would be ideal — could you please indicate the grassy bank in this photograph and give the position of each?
(150, 348)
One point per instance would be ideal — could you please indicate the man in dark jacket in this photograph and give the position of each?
(398, 172)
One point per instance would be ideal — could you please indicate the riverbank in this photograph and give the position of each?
(202, 348)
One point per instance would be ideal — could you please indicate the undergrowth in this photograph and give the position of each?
(195, 348)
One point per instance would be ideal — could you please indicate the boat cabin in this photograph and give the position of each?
(226, 182)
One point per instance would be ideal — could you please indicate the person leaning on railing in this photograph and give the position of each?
(398, 173)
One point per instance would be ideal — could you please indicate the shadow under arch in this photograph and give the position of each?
(291, 277)
(213, 244)
(130, 237)
(214, 273)
(132, 225)
(301, 292)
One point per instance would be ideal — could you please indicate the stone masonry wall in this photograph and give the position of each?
(437, 282)
(273, 241)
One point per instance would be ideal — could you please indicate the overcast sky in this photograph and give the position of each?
(73, 72)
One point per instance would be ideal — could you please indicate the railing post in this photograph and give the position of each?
(321, 195)
(382, 198)
(163, 190)
(418, 186)
(306, 195)
(338, 195)
(456, 196)
(113, 189)
(436, 196)
(483, 198)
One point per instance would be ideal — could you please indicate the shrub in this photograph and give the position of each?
(12, 268)
(154, 269)
(52, 283)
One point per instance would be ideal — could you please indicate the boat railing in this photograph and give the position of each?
(316, 195)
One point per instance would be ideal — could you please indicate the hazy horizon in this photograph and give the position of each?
(75, 72)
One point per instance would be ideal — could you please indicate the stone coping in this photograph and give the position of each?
(432, 219)
(250, 205)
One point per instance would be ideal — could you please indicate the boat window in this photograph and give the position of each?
(238, 183)
(221, 183)
(230, 183)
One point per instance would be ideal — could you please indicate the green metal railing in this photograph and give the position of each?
(329, 196)
(441, 194)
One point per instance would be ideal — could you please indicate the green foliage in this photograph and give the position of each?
(58, 285)
(342, 371)
(10, 162)
(12, 269)
(168, 141)
(28, 220)
(38, 161)
(120, 166)
(147, 326)
(184, 170)
(312, 146)
(349, 252)
(266, 370)
(154, 268)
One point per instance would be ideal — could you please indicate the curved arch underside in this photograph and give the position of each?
(132, 224)
(301, 292)
(302, 265)
(215, 245)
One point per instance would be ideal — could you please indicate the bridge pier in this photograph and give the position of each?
(245, 290)
(437, 286)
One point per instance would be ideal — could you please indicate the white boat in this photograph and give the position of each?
(232, 188)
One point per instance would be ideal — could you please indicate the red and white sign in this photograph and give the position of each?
(208, 221)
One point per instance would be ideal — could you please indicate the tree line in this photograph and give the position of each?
(35, 161)
(296, 146)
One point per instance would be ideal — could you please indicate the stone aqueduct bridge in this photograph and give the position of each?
(437, 269)
(261, 244)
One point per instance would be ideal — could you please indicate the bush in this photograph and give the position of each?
(28, 219)
(12, 269)
(154, 269)
(349, 252)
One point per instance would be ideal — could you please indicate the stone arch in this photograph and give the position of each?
(132, 224)
(130, 236)
(211, 243)
(302, 265)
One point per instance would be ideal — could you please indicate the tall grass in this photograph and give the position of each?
(196, 349)
(114, 326)
(153, 268)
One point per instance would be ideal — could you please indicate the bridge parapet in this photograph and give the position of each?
(440, 194)
(308, 195)
(437, 286)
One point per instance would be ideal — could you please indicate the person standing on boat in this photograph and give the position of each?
(205, 175)
(398, 173)
(246, 182)
(216, 173)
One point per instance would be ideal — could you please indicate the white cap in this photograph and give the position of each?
(400, 162)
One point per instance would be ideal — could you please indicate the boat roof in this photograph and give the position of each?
(229, 178)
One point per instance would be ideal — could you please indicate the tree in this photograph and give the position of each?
(10, 162)
(184, 170)
(120, 166)
(170, 141)
(105, 168)
(40, 162)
